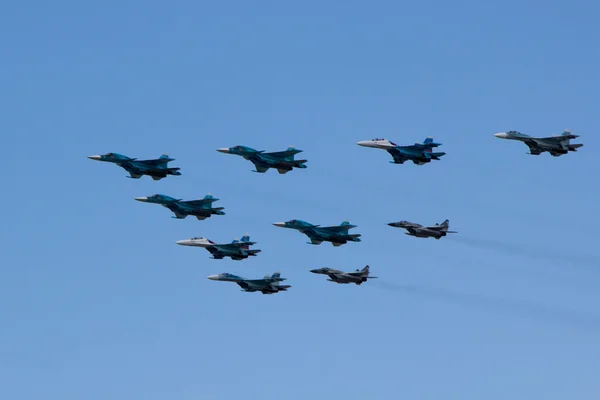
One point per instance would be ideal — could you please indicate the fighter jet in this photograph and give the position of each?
(357, 277)
(201, 208)
(556, 145)
(236, 250)
(283, 161)
(156, 168)
(418, 153)
(267, 285)
(337, 235)
(417, 230)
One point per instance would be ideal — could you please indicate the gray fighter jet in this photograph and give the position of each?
(357, 277)
(418, 230)
(267, 285)
(555, 145)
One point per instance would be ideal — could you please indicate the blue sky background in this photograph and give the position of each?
(97, 301)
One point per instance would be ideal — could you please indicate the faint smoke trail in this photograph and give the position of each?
(552, 254)
(511, 307)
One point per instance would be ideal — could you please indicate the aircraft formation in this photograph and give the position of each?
(284, 162)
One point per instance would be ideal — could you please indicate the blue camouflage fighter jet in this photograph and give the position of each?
(156, 168)
(282, 161)
(236, 250)
(267, 285)
(418, 153)
(201, 208)
(337, 235)
(555, 145)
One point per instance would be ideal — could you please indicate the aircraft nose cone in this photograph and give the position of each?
(144, 199)
(183, 242)
(280, 224)
(97, 158)
(314, 271)
(223, 150)
(392, 224)
(501, 135)
(213, 277)
(364, 143)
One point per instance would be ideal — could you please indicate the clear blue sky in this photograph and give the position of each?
(98, 302)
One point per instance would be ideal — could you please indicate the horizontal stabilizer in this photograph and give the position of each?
(436, 155)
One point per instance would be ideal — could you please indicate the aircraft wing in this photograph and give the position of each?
(397, 155)
(261, 167)
(533, 147)
(314, 238)
(244, 285)
(155, 162)
(233, 246)
(413, 229)
(259, 284)
(355, 273)
(336, 229)
(412, 147)
(559, 139)
(198, 203)
(287, 154)
(435, 228)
